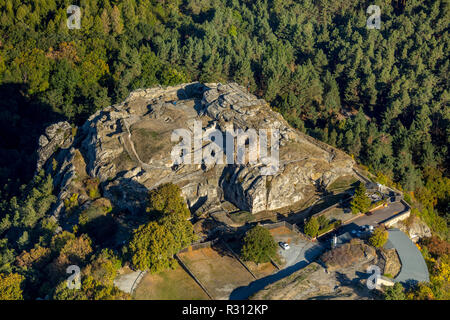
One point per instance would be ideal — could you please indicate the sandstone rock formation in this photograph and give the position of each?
(128, 148)
(348, 254)
(314, 282)
(57, 135)
(414, 227)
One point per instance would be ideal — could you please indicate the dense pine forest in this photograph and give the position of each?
(381, 95)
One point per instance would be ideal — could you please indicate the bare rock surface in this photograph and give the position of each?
(414, 227)
(57, 135)
(128, 148)
(392, 265)
(317, 283)
(347, 254)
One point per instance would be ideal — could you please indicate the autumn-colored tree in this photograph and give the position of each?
(77, 249)
(167, 200)
(116, 20)
(59, 240)
(70, 250)
(104, 267)
(90, 289)
(152, 247)
(35, 257)
(437, 246)
(10, 286)
(423, 291)
(387, 105)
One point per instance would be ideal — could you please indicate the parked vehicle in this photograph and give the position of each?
(284, 245)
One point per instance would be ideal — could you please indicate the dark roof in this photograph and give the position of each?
(344, 238)
(371, 185)
(414, 268)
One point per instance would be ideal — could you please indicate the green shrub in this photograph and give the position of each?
(72, 202)
(395, 293)
(379, 237)
(312, 227)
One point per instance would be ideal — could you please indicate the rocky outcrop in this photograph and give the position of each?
(392, 264)
(129, 147)
(57, 135)
(347, 254)
(314, 282)
(415, 228)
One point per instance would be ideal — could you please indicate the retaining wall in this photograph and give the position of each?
(399, 217)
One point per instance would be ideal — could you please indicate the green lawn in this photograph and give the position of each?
(242, 217)
(343, 182)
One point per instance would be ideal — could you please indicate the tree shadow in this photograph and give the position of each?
(23, 120)
(343, 279)
(244, 292)
(191, 91)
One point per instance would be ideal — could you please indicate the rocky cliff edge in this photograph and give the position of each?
(128, 148)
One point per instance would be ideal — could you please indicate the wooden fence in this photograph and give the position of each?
(201, 245)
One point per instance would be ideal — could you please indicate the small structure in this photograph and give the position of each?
(334, 242)
(343, 238)
(371, 186)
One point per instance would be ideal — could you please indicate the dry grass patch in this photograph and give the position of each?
(217, 270)
(261, 270)
(174, 284)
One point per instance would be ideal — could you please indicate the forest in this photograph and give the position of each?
(381, 95)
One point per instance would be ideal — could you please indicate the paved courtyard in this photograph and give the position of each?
(301, 249)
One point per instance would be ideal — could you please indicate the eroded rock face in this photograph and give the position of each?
(128, 147)
(415, 228)
(57, 135)
(314, 282)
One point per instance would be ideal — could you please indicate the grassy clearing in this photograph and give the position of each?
(339, 214)
(242, 217)
(261, 270)
(343, 182)
(327, 202)
(148, 142)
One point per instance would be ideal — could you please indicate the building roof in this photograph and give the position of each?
(414, 268)
(344, 238)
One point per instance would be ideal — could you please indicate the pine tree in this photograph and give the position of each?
(361, 201)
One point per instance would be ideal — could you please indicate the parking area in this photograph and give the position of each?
(300, 249)
(376, 218)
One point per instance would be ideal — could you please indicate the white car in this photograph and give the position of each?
(284, 245)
